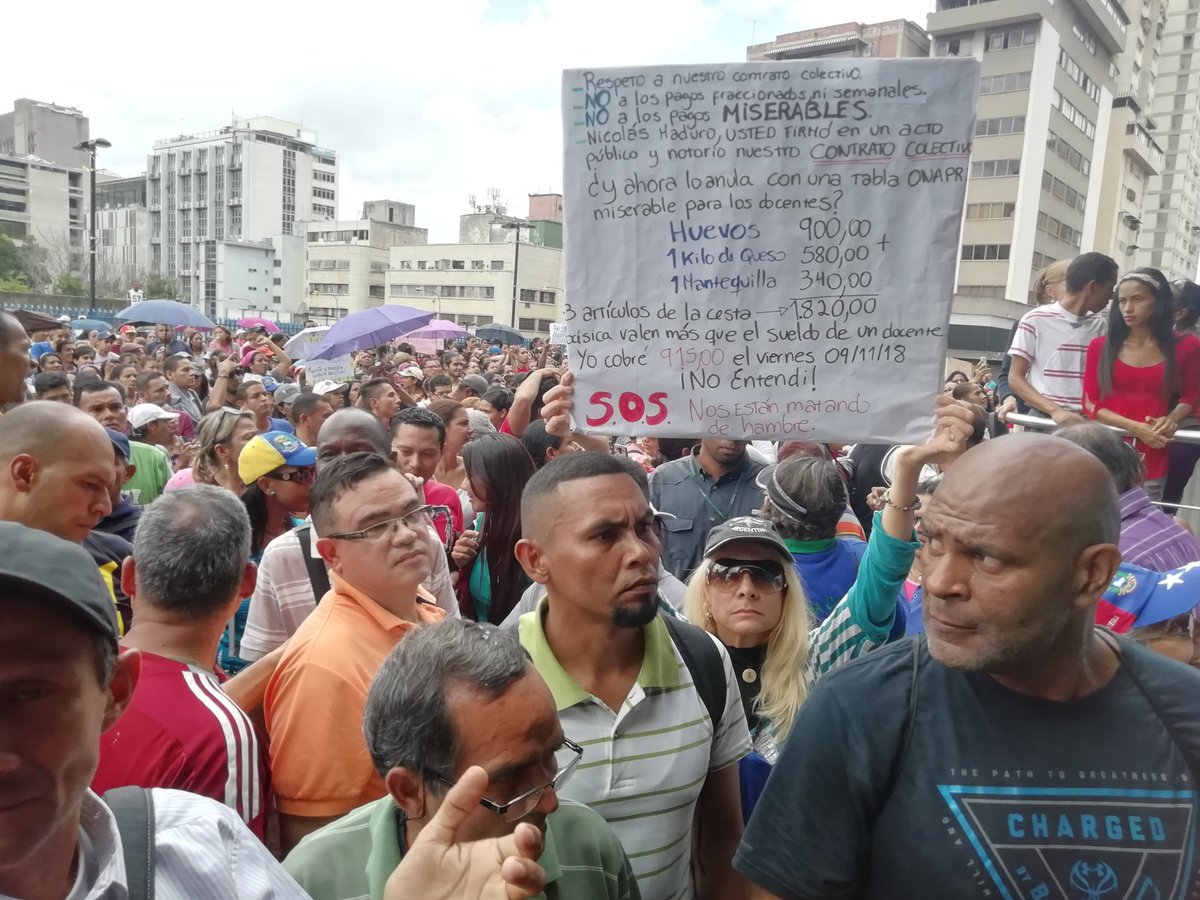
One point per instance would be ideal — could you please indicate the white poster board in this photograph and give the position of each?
(764, 250)
(339, 369)
(558, 333)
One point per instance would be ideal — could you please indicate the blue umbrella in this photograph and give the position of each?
(86, 325)
(497, 332)
(166, 312)
(369, 328)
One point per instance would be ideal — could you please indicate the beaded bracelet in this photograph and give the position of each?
(887, 499)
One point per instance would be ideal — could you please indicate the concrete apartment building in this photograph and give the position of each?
(123, 227)
(1045, 106)
(45, 130)
(1170, 232)
(1133, 156)
(472, 283)
(251, 181)
(43, 201)
(886, 40)
(347, 262)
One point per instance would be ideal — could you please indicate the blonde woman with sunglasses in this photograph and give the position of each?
(747, 593)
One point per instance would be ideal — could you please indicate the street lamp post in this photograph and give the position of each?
(91, 146)
(515, 226)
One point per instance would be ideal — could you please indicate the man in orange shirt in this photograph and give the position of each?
(371, 523)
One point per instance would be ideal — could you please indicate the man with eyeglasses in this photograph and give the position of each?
(372, 537)
(450, 696)
(292, 577)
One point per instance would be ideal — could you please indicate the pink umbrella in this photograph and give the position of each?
(256, 321)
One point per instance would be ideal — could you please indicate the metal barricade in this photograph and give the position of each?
(1041, 423)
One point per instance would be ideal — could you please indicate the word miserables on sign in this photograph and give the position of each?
(778, 243)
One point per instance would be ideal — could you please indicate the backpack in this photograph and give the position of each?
(703, 660)
(318, 575)
(133, 808)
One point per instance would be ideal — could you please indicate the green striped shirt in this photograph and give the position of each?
(352, 858)
(644, 766)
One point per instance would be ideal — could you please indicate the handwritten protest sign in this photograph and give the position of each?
(764, 250)
(339, 369)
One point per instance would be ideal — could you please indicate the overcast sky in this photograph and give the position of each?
(425, 101)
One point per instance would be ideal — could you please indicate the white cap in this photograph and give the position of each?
(326, 387)
(144, 413)
(250, 376)
(66, 320)
(412, 372)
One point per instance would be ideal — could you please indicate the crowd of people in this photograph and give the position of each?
(411, 635)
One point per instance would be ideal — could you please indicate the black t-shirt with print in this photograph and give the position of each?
(995, 794)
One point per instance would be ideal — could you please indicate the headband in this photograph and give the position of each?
(1143, 278)
(778, 496)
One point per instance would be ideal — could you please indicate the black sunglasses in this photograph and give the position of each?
(766, 574)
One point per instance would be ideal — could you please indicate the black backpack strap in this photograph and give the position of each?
(906, 732)
(318, 575)
(703, 660)
(133, 808)
(1130, 666)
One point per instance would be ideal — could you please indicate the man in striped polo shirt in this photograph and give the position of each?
(189, 570)
(654, 763)
(1050, 343)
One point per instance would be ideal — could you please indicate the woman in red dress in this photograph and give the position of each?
(1143, 377)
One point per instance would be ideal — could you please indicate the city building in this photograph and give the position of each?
(1133, 156)
(545, 207)
(246, 182)
(1041, 134)
(478, 283)
(241, 275)
(889, 40)
(43, 201)
(289, 284)
(346, 262)
(123, 227)
(1170, 233)
(45, 130)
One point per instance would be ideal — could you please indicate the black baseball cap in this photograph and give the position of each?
(38, 565)
(745, 528)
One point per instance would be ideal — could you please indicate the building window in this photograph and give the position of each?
(1080, 77)
(1085, 36)
(1069, 154)
(985, 251)
(478, 264)
(1063, 191)
(1011, 38)
(953, 45)
(1004, 84)
(978, 211)
(1064, 232)
(995, 168)
(528, 296)
(1002, 125)
(1073, 115)
(497, 265)
(981, 290)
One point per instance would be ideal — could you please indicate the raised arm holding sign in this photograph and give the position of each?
(764, 250)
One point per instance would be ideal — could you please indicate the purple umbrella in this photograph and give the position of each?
(369, 328)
